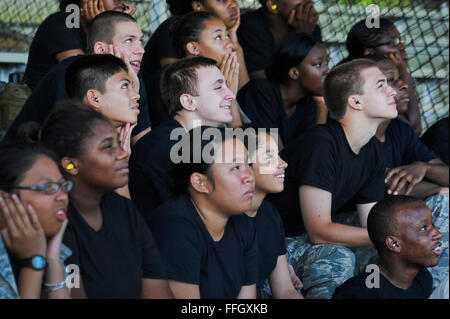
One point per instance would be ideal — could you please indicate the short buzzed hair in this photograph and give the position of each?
(89, 72)
(103, 27)
(382, 219)
(343, 81)
(180, 78)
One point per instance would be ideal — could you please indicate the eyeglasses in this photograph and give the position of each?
(393, 43)
(49, 188)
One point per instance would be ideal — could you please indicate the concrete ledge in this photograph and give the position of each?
(13, 57)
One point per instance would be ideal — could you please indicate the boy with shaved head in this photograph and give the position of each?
(402, 231)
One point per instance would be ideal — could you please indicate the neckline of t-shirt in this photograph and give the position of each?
(86, 224)
(262, 210)
(170, 123)
(304, 102)
(415, 283)
(210, 238)
(347, 144)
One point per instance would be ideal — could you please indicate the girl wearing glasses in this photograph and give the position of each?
(33, 204)
(108, 237)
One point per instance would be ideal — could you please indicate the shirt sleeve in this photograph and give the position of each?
(415, 150)
(436, 138)
(315, 162)
(59, 37)
(178, 245)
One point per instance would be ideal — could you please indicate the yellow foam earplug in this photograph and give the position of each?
(70, 167)
(274, 7)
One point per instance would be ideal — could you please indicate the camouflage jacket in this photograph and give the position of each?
(8, 287)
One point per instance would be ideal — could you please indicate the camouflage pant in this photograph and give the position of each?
(321, 268)
(438, 205)
(324, 267)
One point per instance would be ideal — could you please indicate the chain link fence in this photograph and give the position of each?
(423, 26)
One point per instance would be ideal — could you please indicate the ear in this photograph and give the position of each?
(368, 51)
(192, 48)
(271, 6)
(92, 98)
(294, 73)
(100, 47)
(353, 101)
(393, 244)
(199, 183)
(70, 166)
(188, 103)
(197, 6)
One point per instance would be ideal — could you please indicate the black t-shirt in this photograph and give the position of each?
(322, 157)
(114, 260)
(270, 233)
(190, 255)
(257, 40)
(158, 47)
(356, 288)
(149, 162)
(403, 147)
(52, 37)
(436, 138)
(52, 88)
(261, 101)
(159, 112)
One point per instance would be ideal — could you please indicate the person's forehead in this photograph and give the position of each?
(231, 150)
(394, 32)
(43, 167)
(371, 75)
(386, 66)
(390, 34)
(293, 3)
(100, 131)
(118, 77)
(207, 76)
(213, 25)
(412, 213)
(125, 28)
(318, 50)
